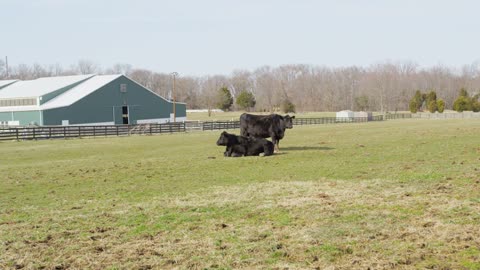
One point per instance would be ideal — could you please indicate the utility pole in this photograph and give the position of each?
(6, 64)
(174, 74)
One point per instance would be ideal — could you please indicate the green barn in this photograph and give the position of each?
(84, 100)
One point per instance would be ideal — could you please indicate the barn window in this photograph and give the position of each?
(18, 102)
(123, 88)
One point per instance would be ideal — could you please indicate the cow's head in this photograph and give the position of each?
(224, 139)
(287, 119)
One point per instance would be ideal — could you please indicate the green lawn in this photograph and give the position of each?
(394, 194)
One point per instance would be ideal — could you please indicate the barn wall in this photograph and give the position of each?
(105, 105)
(24, 117)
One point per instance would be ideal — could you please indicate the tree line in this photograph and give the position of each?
(387, 86)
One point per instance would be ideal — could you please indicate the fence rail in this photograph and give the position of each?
(211, 125)
(398, 116)
(38, 133)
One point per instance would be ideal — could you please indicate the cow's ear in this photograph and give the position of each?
(293, 116)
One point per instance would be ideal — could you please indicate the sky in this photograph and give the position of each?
(208, 37)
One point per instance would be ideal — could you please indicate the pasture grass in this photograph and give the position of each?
(394, 194)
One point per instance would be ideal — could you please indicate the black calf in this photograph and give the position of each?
(238, 146)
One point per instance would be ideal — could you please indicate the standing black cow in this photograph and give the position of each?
(265, 126)
(238, 146)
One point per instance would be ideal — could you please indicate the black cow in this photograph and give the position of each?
(265, 126)
(238, 146)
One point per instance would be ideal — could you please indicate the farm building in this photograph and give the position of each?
(365, 115)
(84, 100)
(345, 115)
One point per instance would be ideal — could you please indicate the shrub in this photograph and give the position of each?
(413, 106)
(431, 96)
(432, 106)
(417, 100)
(246, 100)
(224, 99)
(440, 105)
(288, 106)
(362, 103)
(475, 106)
(462, 103)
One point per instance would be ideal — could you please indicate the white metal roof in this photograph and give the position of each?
(6, 82)
(78, 92)
(40, 86)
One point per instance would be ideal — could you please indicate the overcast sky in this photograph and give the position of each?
(201, 37)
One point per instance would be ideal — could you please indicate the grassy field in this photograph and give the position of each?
(395, 194)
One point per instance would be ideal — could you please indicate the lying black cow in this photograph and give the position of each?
(238, 146)
(265, 126)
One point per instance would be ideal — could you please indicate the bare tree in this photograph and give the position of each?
(87, 67)
(124, 69)
(209, 90)
(142, 76)
(3, 73)
(386, 86)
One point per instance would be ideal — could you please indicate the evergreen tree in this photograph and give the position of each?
(431, 96)
(288, 106)
(362, 102)
(416, 102)
(476, 103)
(245, 100)
(463, 92)
(440, 105)
(432, 106)
(463, 102)
(413, 106)
(224, 99)
(419, 99)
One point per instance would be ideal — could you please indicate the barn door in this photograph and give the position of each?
(125, 115)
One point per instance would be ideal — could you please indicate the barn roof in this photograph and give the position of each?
(80, 91)
(4, 83)
(40, 86)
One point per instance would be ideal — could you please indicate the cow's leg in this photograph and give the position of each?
(275, 142)
(228, 151)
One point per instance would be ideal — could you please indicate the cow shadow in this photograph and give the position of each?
(302, 148)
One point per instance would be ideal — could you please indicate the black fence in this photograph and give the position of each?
(332, 120)
(211, 125)
(398, 116)
(217, 125)
(54, 132)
